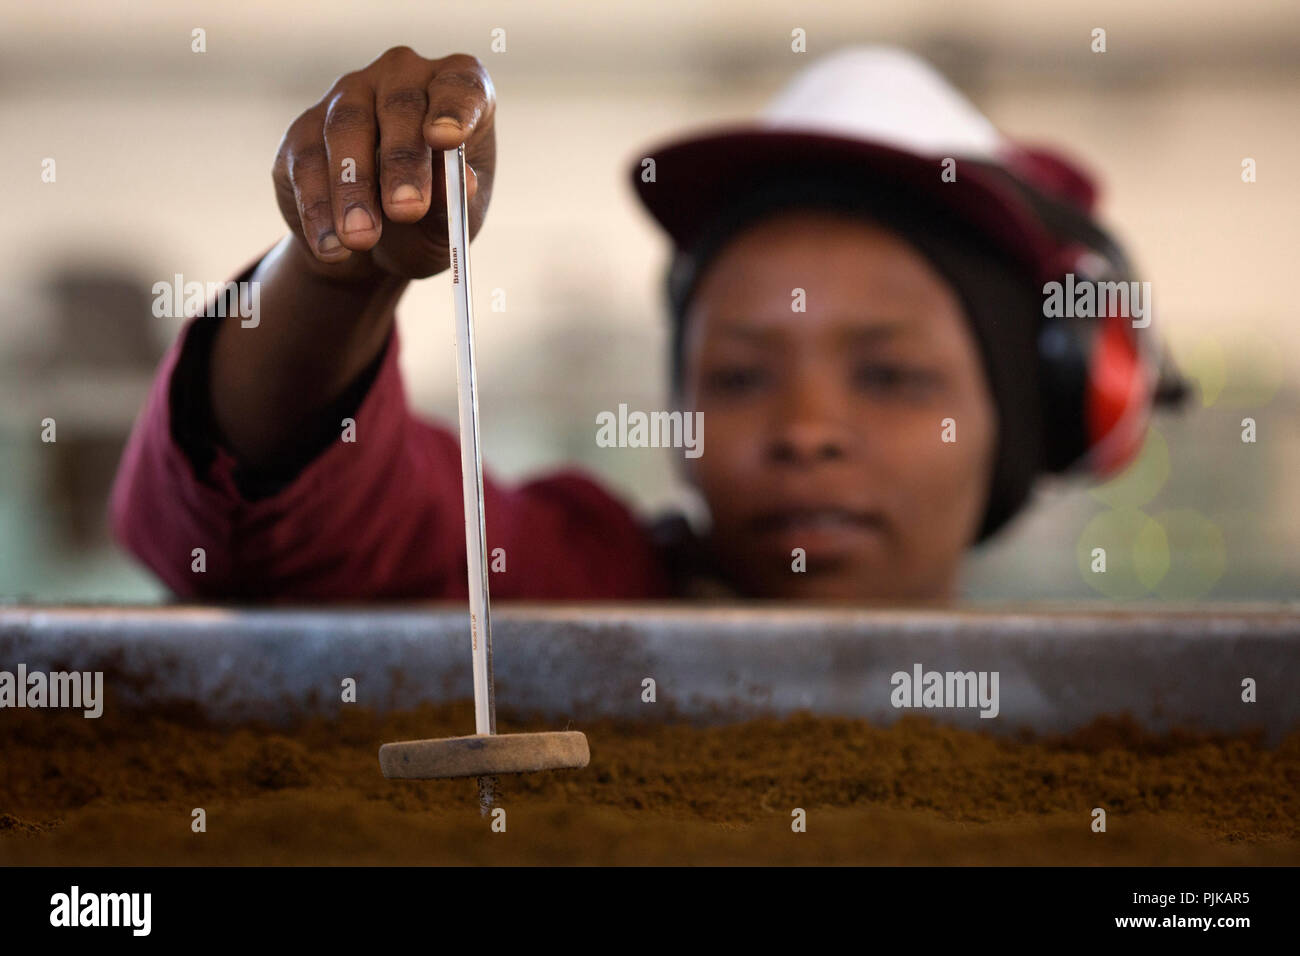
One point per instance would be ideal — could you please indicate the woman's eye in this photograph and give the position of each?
(891, 377)
(736, 379)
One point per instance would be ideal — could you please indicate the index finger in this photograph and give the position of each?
(461, 100)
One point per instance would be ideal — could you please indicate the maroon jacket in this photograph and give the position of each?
(378, 518)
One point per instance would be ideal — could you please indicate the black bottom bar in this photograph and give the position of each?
(305, 905)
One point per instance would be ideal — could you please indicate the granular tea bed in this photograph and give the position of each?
(122, 790)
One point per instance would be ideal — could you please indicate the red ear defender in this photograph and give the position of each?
(1117, 405)
(1100, 376)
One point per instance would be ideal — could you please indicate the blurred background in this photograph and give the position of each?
(163, 159)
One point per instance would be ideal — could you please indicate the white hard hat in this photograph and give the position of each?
(881, 113)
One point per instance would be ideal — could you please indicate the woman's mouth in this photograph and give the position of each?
(823, 529)
(817, 517)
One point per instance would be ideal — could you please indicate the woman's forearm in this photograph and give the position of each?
(315, 334)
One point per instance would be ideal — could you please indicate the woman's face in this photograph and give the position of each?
(824, 429)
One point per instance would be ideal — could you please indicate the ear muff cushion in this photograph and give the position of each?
(1117, 405)
(1098, 379)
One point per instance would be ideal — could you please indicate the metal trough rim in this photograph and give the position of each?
(1060, 665)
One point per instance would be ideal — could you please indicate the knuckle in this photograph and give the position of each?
(411, 101)
(405, 156)
(464, 62)
(307, 159)
(315, 210)
(348, 117)
(300, 124)
(345, 81)
(303, 129)
(360, 191)
(469, 81)
(280, 165)
(399, 53)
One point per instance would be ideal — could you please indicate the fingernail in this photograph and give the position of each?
(406, 193)
(358, 220)
(448, 122)
(328, 242)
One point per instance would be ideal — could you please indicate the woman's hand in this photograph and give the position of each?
(357, 175)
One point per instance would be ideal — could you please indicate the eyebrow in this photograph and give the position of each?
(855, 335)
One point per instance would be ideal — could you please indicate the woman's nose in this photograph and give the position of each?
(810, 425)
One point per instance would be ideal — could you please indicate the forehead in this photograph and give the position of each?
(840, 270)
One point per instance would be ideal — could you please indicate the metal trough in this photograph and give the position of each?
(1058, 667)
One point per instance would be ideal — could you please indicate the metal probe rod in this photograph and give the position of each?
(471, 459)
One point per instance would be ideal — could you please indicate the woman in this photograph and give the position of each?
(857, 299)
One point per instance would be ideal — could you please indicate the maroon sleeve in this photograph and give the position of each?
(378, 517)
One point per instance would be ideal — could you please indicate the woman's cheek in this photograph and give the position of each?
(727, 472)
(962, 473)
